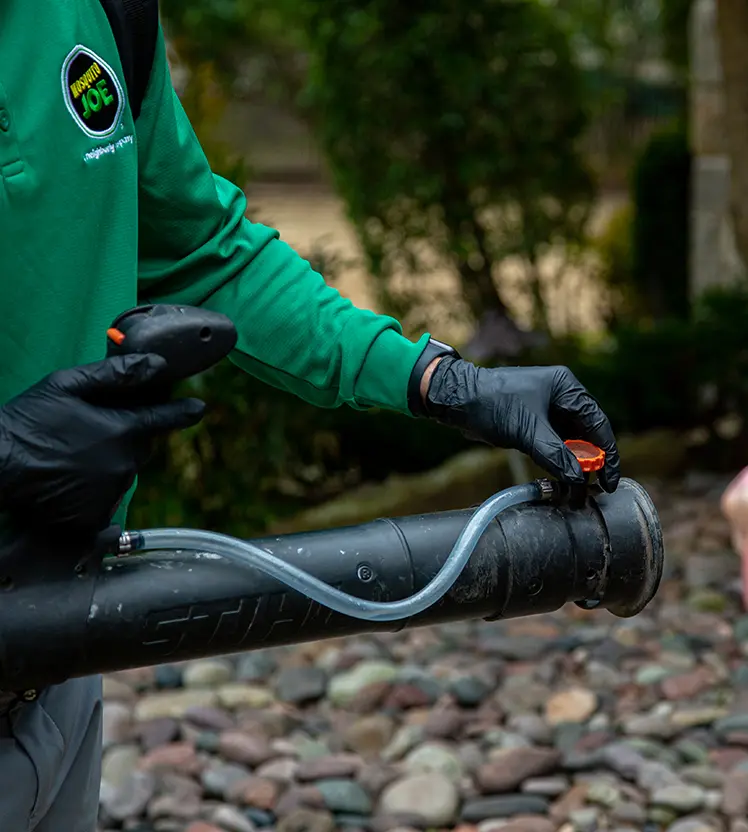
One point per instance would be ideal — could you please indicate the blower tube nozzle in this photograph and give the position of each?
(66, 613)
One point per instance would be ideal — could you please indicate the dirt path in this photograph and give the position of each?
(309, 216)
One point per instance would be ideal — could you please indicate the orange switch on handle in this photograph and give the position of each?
(115, 336)
(589, 456)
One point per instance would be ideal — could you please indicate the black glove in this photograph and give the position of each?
(531, 409)
(71, 446)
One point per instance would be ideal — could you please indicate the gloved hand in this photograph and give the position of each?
(71, 445)
(531, 409)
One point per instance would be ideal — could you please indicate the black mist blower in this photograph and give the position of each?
(164, 595)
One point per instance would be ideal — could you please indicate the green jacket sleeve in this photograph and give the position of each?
(196, 247)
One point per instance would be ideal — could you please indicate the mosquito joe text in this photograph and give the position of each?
(94, 94)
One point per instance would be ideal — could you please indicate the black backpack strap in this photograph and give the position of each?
(134, 24)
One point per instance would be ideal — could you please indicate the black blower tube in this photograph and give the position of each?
(63, 615)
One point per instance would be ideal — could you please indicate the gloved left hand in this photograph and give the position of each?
(531, 409)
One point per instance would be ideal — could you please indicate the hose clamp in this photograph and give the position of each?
(548, 489)
(126, 544)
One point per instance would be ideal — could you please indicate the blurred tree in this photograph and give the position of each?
(252, 46)
(626, 48)
(732, 23)
(661, 190)
(644, 248)
(675, 27)
(450, 130)
(443, 127)
(618, 35)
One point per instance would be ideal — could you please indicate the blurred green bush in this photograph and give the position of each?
(661, 363)
(680, 373)
(644, 248)
(661, 192)
(613, 247)
(453, 135)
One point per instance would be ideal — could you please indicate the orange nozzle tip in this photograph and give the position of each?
(115, 335)
(589, 456)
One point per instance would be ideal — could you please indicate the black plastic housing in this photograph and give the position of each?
(63, 615)
(191, 339)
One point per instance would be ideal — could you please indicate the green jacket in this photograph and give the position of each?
(96, 215)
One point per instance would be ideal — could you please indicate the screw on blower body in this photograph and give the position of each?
(67, 612)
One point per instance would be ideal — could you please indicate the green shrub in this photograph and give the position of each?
(453, 131)
(674, 373)
(644, 247)
(661, 186)
(613, 248)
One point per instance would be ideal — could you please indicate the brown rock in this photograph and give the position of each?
(374, 778)
(282, 770)
(177, 756)
(571, 705)
(116, 690)
(348, 658)
(138, 678)
(417, 716)
(725, 759)
(628, 700)
(254, 791)
(369, 734)
(177, 806)
(737, 738)
(299, 797)
(482, 719)
(212, 719)
(489, 710)
(202, 826)
(188, 733)
(404, 696)
(155, 732)
(306, 820)
(593, 741)
(687, 685)
(540, 627)
(371, 697)
(246, 749)
(332, 766)
(274, 724)
(229, 818)
(507, 772)
(529, 823)
(574, 799)
(735, 794)
(179, 784)
(444, 723)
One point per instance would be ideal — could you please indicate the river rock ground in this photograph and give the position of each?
(574, 721)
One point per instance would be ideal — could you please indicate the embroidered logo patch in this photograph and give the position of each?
(92, 92)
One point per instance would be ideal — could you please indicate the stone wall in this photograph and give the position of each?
(714, 258)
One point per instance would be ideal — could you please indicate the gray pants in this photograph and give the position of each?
(50, 760)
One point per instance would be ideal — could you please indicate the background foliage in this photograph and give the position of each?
(465, 136)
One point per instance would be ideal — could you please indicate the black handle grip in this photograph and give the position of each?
(190, 339)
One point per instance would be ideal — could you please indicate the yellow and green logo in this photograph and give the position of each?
(92, 92)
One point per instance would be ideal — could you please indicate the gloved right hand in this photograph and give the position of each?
(528, 408)
(71, 445)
